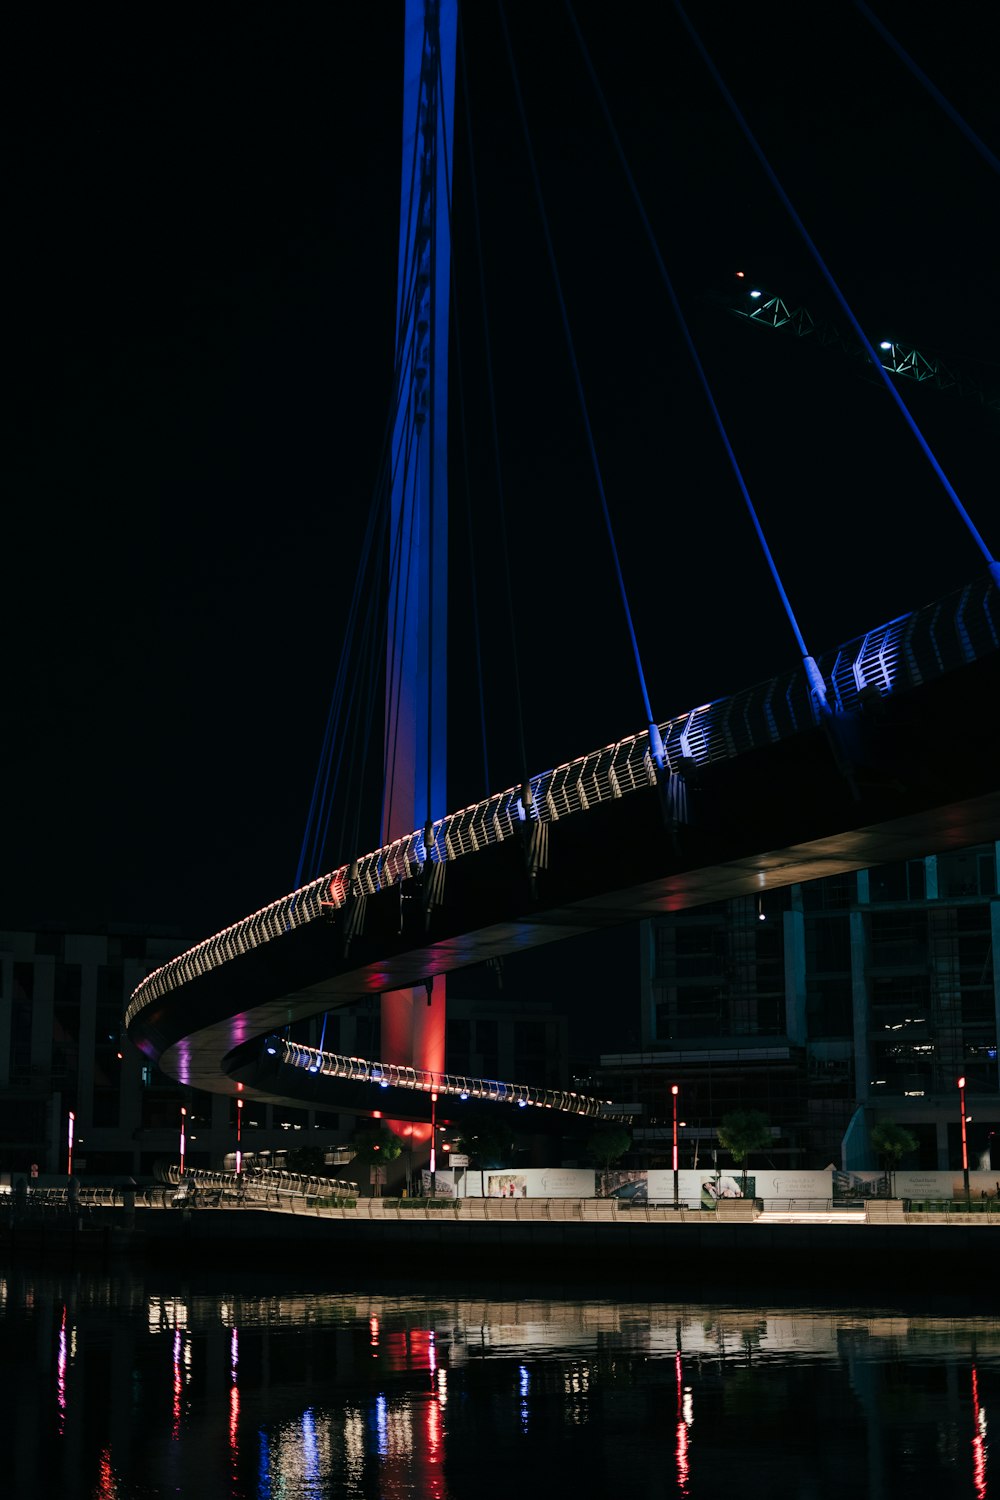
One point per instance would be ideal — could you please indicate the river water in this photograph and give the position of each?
(153, 1383)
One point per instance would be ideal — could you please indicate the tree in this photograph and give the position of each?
(892, 1142)
(309, 1160)
(488, 1142)
(376, 1147)
(743, 1131)
(606, 1144)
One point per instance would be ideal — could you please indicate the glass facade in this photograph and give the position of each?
(871, 991)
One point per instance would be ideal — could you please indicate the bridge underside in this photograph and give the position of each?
(924, 779)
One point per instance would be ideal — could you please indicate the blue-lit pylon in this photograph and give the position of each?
(413, 1022)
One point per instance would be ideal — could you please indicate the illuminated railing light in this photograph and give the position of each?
(495, 816)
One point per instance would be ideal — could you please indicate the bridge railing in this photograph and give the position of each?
(257, 1183)
(896, 657)
(398, 1075)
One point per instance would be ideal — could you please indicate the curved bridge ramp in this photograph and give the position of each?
(758, 790)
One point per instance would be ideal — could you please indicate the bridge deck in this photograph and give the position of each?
(907, 767)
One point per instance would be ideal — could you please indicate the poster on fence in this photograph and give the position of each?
(506, 1185)
(443, 1184)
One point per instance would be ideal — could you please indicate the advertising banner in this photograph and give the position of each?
(506, 1185)
(527, 1182)
(789, 1188)
(927, 1186)
(444, 1183)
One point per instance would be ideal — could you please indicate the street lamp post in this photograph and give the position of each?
(183, 1122)
(965, 1140)
(673, 1090)
(239, 1134)
(69, 1143)
(434, 1100)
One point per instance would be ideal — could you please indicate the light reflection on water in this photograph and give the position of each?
(132, 1386)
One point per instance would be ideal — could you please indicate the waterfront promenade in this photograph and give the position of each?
(818, 1248)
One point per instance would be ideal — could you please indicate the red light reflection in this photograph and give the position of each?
(178, 1386)
(105, 1488)
(61, 1364)
(979, 1478)
(682, 1439)
(431, 1464)
(234, 1392)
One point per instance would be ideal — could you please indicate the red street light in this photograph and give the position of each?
(965, 1138)
(674, 1091)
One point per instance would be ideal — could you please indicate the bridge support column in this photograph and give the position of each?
(413, 1034)
(413, 1031)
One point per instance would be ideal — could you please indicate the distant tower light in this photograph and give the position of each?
(756, 294)
(885, 344)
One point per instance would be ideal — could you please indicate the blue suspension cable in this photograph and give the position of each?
(655, 739)
(491, 392)
(949, 489)
(476, 635)
(320, 806)
(328, 769)
(318, 815)
(988, 156)
(394, 690)
(311, 846)
(815, 678)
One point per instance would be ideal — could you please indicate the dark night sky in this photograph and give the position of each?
(204, 218)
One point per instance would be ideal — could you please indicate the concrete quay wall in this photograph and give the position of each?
(673, 1256)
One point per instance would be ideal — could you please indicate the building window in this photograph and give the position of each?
(903, 881)
(967, 872)
(899, 939)
(834, 893)
(828, 1006)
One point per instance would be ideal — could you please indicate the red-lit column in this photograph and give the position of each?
(673, 1090)
(416, 704)
(965, 1140)
(183, 1131)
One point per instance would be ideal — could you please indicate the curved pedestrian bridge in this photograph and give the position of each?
(754, 791)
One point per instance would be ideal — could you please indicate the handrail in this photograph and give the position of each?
(277, 1179)
(901, 655)
(404, 1076)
